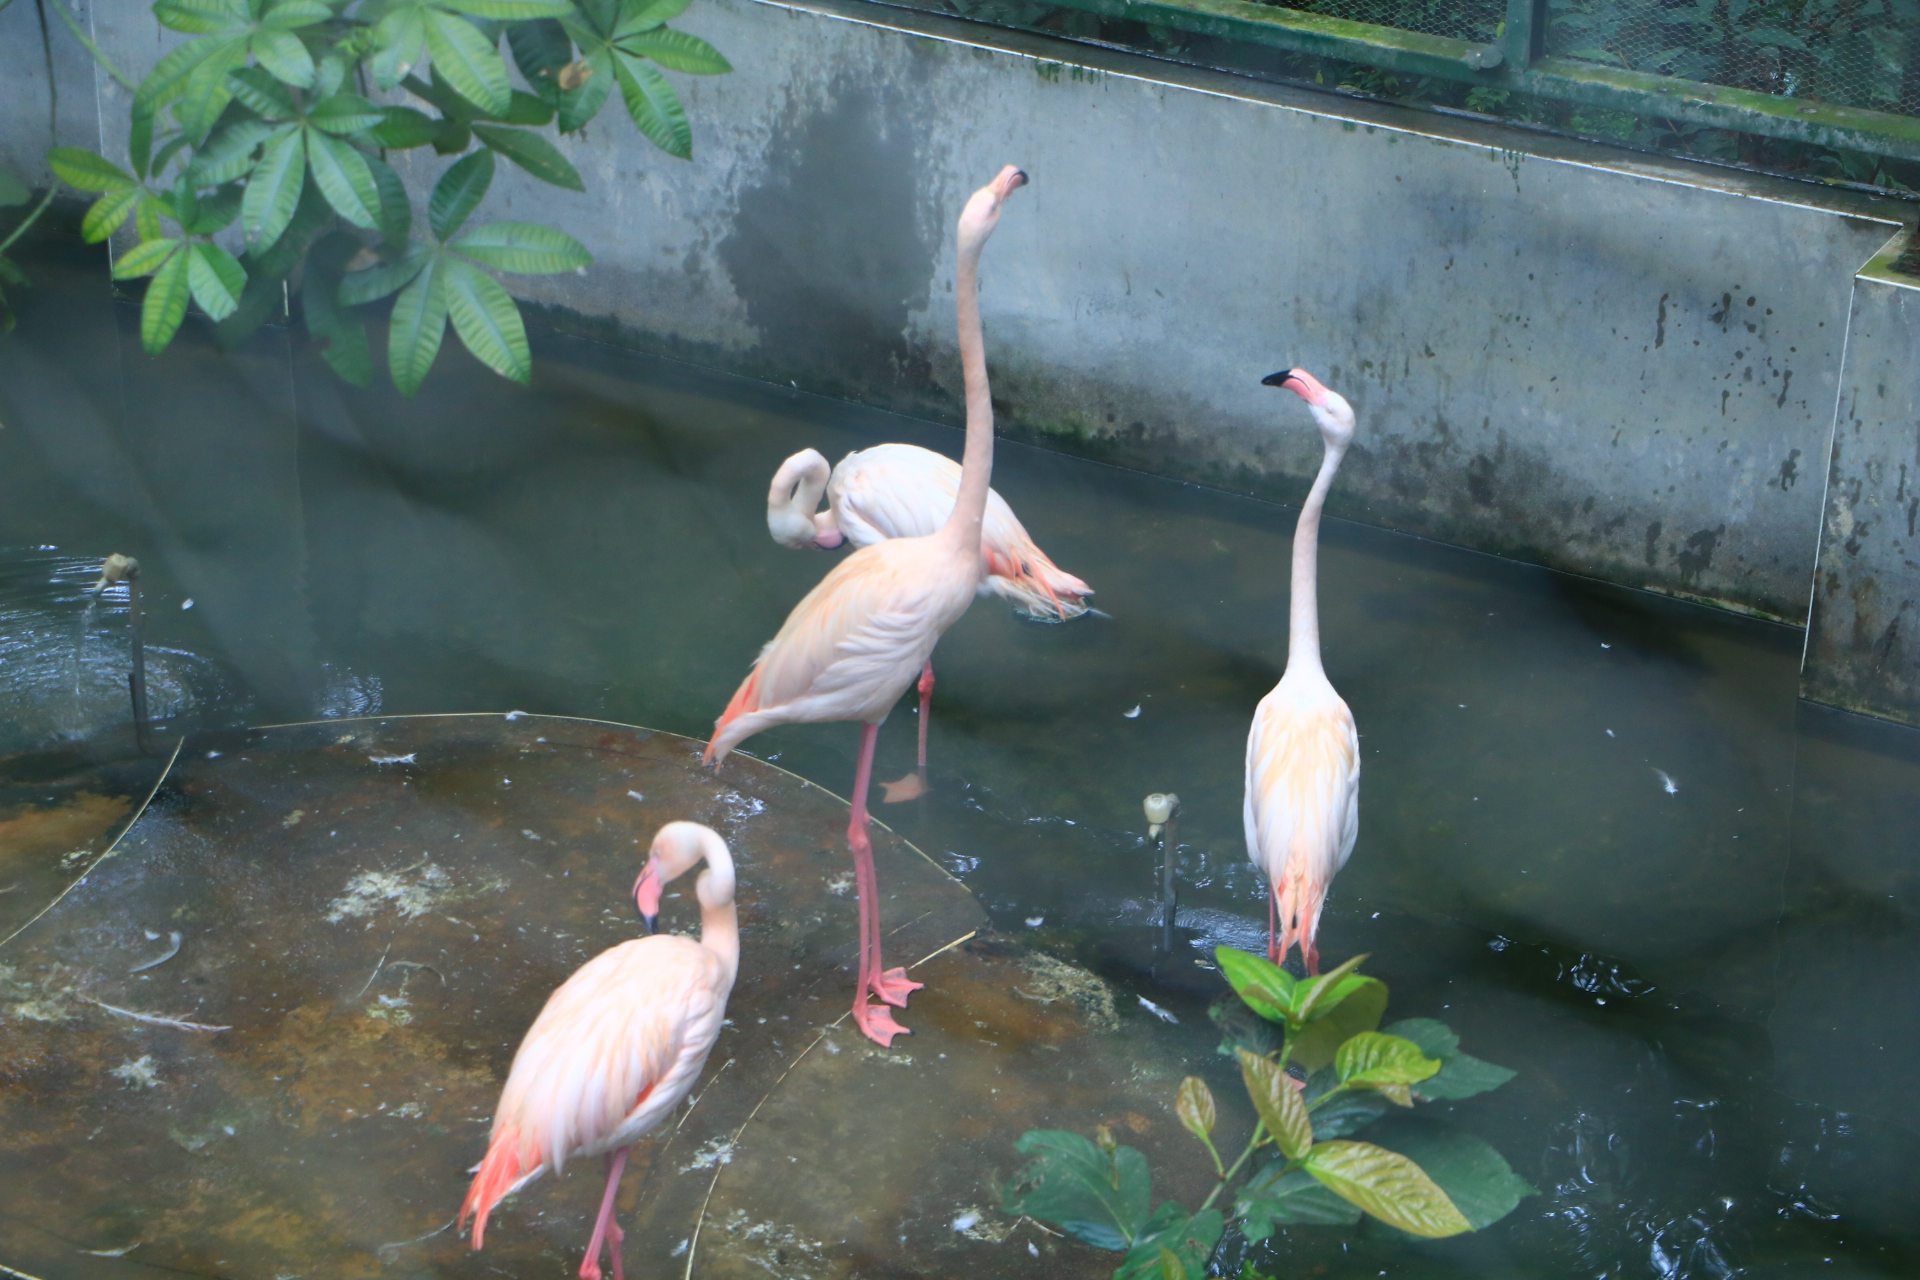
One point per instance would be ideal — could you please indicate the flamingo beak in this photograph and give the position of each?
(1279, 379)
(646, 897)
(1010, 181)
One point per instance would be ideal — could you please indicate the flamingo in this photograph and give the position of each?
(858, 639)
(619, 1045)
(904, 491)
(1303, 753)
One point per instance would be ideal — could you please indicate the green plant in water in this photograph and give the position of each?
(263, 120)
(1301, 1165)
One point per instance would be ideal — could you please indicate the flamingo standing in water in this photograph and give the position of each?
(904, 491)
(854, 644)
(619, 1045)
(1303, 754)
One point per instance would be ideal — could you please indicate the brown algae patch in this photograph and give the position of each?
(1048, 980)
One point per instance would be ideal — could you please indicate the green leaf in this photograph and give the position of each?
(202, 16)
(280, 257)
(644, 15)
(259, 92)
(265, 296)
(1278, 1104)
(396, 209)
(1355, 1010)
(140, 138)
(144, 258)
(404, 128)
(283, 55)
(524, 108)
(274, 188)
(1097, 1197)
(216, 280)
(165, 305)
(165, 82)
(378, 281)
(1264, 985)
(1189, 1241)
(346, 113)
(146, 217)
(1194, 1106)
(460, 190)
(228, 154)
(216, 211)
(1475, 1177)
(344, 179)
(442, 95)
(1461, 1075)
(85, 171)
(417, 326)
(329, 74)
(1275, 1197)
(1318, 997)
(488, 321)
(397, 38)
(1242, 1028)
(525, 248)
(510, 10)
(340, 334)
(168, 150)
(540, 48)
(654, 106)
(580, 105)
(1383, 1062)
(206, 91)
(677, 51)
(290, 14)
(531, 152)
(1344, 1114)
(107, 213)
(462, 56)
(1387, 1185)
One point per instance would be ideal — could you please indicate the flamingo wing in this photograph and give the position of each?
(893, 491)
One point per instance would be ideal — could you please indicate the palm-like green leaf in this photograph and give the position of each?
(462, 56)
(85, 171)
(403, 128)
(140, 137)
(289, 14)
(531, 152)
(215, 279)
(146, 217)
(344, 179)
(654, 106)
(644, 15)
(458, 193)
(259, 92)
(485, 317)
(677, 51)
(419, 323)
(206, 90)
(397, 39)
(525, 248)
(165, 305)
(396, 209)
(582, 103)
(282, 53)
(338, 332)
(144, 258)
(215, 211)
(273, 190)
(107, 213)
(164, 83)
(510, 10)
(202, 16)
(346, 113)
(540, 49)
(377, 282)
(228, 154)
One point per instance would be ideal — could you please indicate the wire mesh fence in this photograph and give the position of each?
(1475, 20)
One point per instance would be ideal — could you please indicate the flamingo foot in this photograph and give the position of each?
(911, 787)
(894, 987)
(877, 1022)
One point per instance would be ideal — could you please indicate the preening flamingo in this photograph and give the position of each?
(904, 491)
(619, 1045)
(1303, 753)
(854, 644)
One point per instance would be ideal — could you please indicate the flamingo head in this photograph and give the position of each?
(677, 848)
(791, 501)
(982, 213)
(1329, 408)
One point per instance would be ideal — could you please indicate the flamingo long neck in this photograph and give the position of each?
(1303, 630)
(976, 464)
(719, 920)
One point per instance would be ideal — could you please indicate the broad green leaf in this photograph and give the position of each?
(310, 216)
(437, 91)
(259, 92)
(264, 298)
(1347, 1112)
(85, 171)
(1383, 1062)
(1194, 1106)
(582, 103)
(460, 190)
(107, 213)
(1264, 985)
(417, 326)
(346, 113)
(282, 54)
(1479, 1182)
(654, 106)
(228, 154)
(344, 179)
(1171, 1268)
(1170, 1233)
(216, 210)
(523, 108)
(1275, 1197)
(644, 15)
(404, 128)
(144, 258)
(396, 209)
(140, 137)
(274, 188)
(1278, 1103)
(1317, 997)
(329, 73)
(531, 152)
(1387, 1185)
(291, 14)
(1098, 1198)
(1357, 1009)
(168, 77)
(146, 217)
(510, 10)
(525, 248)
(202, 16)
(206, 91)
(1243, 1028)
(340, 334)
(165, 305)
(215, 279)
(540, 48)
(1461, 1075)
(168, 150)
(378, 281)
(488, 321)
(397, 39)
(462, 56)
(677, 51)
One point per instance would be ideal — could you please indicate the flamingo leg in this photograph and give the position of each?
(605, 1229)
(876, 1021)
(1273, 925)
(914, 785)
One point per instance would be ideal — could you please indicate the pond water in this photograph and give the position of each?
(1599, 834)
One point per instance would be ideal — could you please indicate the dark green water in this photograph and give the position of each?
(1708, 991)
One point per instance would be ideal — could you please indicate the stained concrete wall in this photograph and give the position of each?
(38, 110)
(1615, 365)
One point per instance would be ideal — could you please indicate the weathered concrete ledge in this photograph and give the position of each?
(1613, 364)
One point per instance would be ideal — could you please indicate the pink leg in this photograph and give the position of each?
(605, 1229)
(1273, 944)
(876, 1021)
(1313, 959)
(914, 785)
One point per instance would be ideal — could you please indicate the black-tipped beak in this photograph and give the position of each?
(1277, 379)
(652, 923)
(1020, 179)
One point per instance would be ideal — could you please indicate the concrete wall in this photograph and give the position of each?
(1615, 365)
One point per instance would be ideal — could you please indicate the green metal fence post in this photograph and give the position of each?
(1526, 24)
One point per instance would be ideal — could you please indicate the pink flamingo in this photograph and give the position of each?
(904, 491)
(619, 1045)
(854, 644)
(1303, 753)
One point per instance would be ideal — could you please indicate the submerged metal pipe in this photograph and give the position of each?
(1163, 811)
(119, 568)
